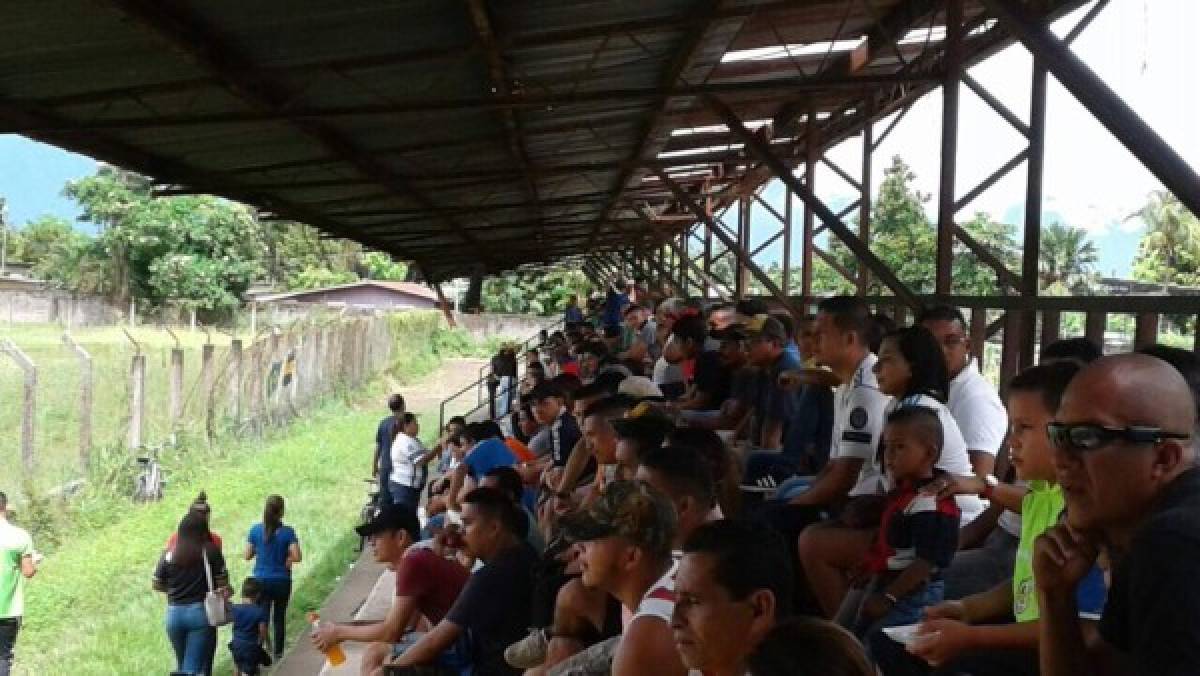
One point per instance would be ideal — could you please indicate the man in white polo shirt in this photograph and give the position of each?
(983, 421)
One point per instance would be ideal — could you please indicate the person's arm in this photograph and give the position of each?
(989, 606)
(294, 555)
(262, 633)
(1008, 496)
(430, 646)
(576, 463)
(404, 609)
(647, 647)
(942, 640)
(832, 484)
(457, 477)
(1061, 558)
(982, 462)
(973, 534)
(159, 580)
(249, 552)
(772, 434)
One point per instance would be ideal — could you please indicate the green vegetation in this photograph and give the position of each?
(90, 609)
(541, 293)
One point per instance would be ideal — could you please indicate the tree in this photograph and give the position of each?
(379, 265)
(1067, 258)
(38, 239)
(1169, 252)
(542, 292)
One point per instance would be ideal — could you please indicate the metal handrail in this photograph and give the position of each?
(484, 372)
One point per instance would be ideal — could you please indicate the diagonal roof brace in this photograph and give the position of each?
(784, 173)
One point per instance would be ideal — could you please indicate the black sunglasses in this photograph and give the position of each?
(1088, 437)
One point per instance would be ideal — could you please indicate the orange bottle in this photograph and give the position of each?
(334, 654)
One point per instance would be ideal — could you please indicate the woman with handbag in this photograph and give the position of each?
(276, 549)
(194, 578)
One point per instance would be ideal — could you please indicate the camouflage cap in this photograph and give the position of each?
(628, 509)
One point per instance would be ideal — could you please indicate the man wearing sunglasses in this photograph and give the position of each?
(1124, 453)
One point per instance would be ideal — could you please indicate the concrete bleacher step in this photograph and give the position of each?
(365, 594)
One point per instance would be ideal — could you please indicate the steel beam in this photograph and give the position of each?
(730, 244)
(784, 173)
(811, 151)
(864, 211)
(1104, 104)
(953, 46)
(1031, 251)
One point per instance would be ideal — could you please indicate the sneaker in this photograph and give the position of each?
(529, 652)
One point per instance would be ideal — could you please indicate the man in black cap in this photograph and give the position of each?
(426, 585)
(774, 404)
(493, 609)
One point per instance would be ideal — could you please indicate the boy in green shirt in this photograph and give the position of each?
(956, 636)
(16, 564)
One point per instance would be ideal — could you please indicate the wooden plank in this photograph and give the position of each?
(1094, 327)
(1145, 330)
(1051, 327)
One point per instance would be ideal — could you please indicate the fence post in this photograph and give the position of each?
(235, 380)
(85, 399)
(175, 383)
(137, 392)
(29, 406)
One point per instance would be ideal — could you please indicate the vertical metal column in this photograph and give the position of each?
(864, 205)
(945, 225)
(1033, 207)
(812, 145)
(787, 244)
(707, 263)
(743, 227)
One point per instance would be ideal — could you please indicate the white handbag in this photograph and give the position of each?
(216, 606)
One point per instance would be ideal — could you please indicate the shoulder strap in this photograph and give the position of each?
(207, 570)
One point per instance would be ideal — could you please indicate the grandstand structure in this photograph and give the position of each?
(477, 136)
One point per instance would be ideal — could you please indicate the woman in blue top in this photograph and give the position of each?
(277, 549)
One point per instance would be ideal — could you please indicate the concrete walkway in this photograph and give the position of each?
(366, 591)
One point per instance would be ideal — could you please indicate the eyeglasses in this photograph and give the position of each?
(1087, 437)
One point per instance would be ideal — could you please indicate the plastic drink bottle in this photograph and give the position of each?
(334, 654)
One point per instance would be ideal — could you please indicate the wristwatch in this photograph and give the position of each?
(989, 486)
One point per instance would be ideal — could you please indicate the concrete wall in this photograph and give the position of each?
(513, 327)
(384, 299)
(33, 305)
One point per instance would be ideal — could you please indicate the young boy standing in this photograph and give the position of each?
(917, 535)
(249, 631)
(956, 636)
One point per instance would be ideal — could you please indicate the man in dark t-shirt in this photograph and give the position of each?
(382, 467)
(1125, 456)
(494, 607)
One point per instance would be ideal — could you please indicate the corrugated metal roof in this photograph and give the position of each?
(455, 133)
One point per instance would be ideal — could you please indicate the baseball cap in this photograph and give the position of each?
(758, 326)
(392, 518)
(639, 387)
(545, 390)
(628, 509)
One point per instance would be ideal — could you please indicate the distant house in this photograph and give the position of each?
(367, 293)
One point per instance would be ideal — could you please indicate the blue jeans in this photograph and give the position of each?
(404, 495)
(193, 640)
(455, 659)
(273, 599)
(907, 610)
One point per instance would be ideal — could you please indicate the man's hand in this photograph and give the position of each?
(947, 610)
(940, 641)
(950, 485)
(325, 636)
(1061, 558)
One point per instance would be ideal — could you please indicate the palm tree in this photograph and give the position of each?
(1172, 232)
(1067, 257)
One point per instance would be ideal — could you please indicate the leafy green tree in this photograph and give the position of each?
(543, 292)
(39, 237)
(379, 265)
(1169, 252)
(1067, 258)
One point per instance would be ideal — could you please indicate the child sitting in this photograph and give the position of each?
(249, 632)
(976, 634)
(917, 535)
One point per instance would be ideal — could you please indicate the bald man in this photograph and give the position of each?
(1125, 458)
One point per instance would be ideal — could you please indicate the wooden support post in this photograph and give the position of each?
(945, 226)
(85, 399)
(28, 402)
(864, 205)
(743, 237)
(1095, 326)
(1051, 327)
(1010, 355)
(812, 147)
(787, 243)
(1031, 248)
(978, 338)
(1146, 330)
(137, 399)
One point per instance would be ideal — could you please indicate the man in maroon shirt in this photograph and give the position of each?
(426, 584)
